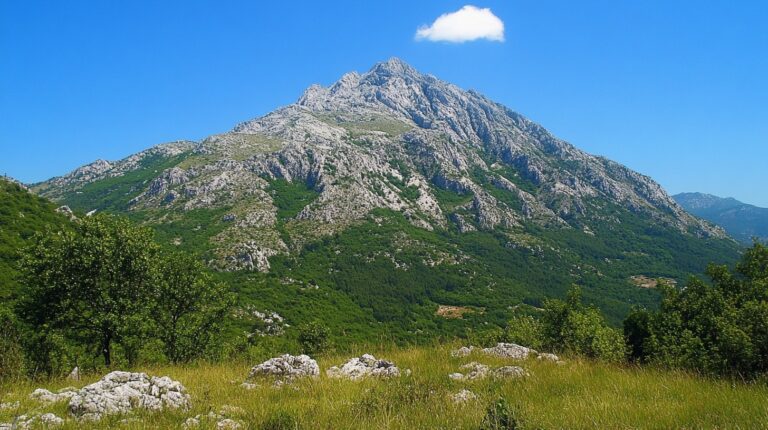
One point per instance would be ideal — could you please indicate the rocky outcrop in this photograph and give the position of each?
(510, 350)
(121, 392)
(286, 368)
(507, 350)
(364, 366)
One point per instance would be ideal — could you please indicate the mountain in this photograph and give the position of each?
(742, 221)
(21, 215)
(394, 193)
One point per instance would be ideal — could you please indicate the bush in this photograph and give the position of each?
(48, 353)
(571, 327)
(281, 421)
(719, 328)
(486, 337)
(525, 330)
(313, 337)
(11, 352)
(499, 416)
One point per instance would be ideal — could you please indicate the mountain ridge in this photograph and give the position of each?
(742, 221)
(462, 183)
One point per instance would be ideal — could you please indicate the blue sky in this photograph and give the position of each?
(676, 90)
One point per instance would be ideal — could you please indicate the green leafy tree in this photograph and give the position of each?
(189, 308)
(636, 331)
(720, 327)
(94, 283)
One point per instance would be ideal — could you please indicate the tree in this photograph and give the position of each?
(720, 327)
(189, 307)
(94, 283)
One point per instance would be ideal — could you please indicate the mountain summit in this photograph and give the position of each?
(394, 142)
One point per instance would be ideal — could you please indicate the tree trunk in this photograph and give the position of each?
(106, 349)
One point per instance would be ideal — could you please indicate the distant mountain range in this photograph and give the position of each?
(741, 220)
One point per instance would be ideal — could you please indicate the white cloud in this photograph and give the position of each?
(466, 24)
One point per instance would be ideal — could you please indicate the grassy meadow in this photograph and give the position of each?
(578, 394)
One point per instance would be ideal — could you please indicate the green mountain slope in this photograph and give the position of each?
(22, 214)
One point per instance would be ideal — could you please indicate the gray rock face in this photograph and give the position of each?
(390, 138)
(121, 392)
(286, 368)
(364, 366)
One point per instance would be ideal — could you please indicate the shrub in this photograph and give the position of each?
(525, 330)
(486, 337)
(313, 337)
(572, 327)
(499, 416)
(11, 352)
(281, 421)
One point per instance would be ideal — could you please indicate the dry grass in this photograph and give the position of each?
(579, 394)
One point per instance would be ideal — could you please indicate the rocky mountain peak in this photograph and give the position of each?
(393, 139)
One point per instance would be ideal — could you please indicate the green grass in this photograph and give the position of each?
(291, 197)
(579, 394)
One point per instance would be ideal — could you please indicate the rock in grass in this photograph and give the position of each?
(228, 424)
(26, 422)
(463, 396)
(286, 368)
(50, 420)
(545, 356)
(463, 351)
(74, 375)
(364, 366)
(121, 392)
(476, 370)
(510, 350)
(45, 396)
(9, 405)
(510, 372)
(191, 423)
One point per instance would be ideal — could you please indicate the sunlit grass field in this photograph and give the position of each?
(579, 394)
